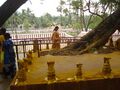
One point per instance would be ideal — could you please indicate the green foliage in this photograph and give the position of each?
(66, 11)
(105, 1)
(76, 26)
(46, 20)
(71, 15)
(25, 18)
(76, 4)
(28, 20)
(62, 2)
(59, 9)
(95, 21)
(112, 4)
(26, 25)
(110, 1)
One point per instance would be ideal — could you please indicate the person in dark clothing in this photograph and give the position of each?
(9, 57)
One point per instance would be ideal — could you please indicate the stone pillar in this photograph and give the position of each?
(79, 71)
(22, 71)
(47, 45)
(22, 75)
(29, 57)
(35, 45)
(68, 42)
(51, 71)
(106, 67)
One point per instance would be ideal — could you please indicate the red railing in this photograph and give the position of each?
(21, 45)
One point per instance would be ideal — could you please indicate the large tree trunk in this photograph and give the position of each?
(8, 8)
(96, 38)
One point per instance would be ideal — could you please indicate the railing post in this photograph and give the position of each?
(16, 46)
(51, 71)
(47, 45)
(39, 47)
(23, 48)
(106, 67)
(35, 45)
(79, 71)
(68, 42)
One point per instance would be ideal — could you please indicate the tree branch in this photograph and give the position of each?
(93, 12)
(8, 8)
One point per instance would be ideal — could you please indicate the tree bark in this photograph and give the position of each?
(95, 38)
(8, 8)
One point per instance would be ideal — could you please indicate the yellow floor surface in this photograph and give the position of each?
(65, 66)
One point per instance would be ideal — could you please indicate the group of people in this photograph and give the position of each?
(7, 55)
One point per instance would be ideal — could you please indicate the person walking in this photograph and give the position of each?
(9, 57)
(56, 39)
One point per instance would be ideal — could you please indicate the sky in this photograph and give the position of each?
(48, 6)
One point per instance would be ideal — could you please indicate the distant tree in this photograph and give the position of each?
(25, 18)
(26, 25)
(46, 20)
(94, 9)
